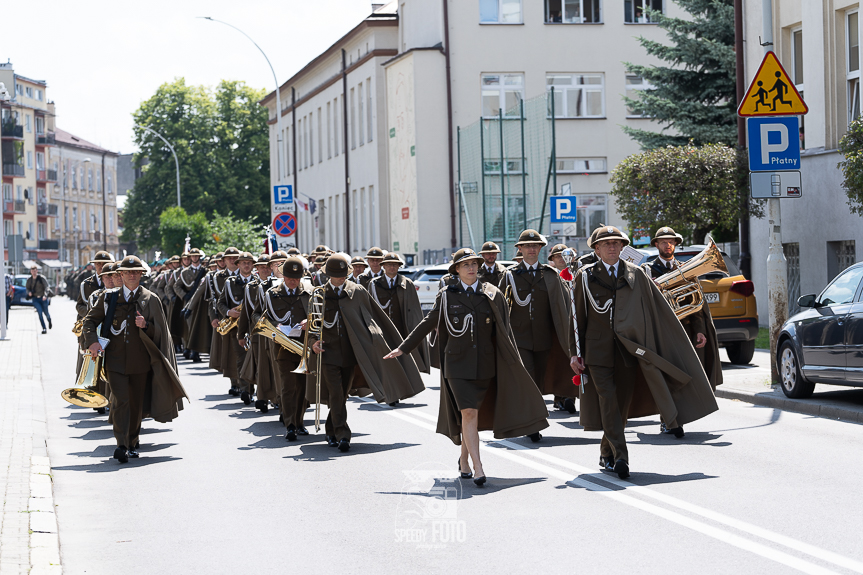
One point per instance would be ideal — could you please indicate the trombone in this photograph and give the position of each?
(314, 328)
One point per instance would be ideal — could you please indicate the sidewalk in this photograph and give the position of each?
(752, 385)
(28, 526)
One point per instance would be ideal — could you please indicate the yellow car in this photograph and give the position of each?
(731, 298)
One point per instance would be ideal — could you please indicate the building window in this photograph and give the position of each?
(40, 161)
(573, 11)
(109, 182)
(634, 84)
(500, 11)
(19, 89)
(311, 138)
(29, 160)
(31, 231)
(329, 130)
(66, 217)
(40, 125)
(635, 11)
(360, 115)
(502, 92)
(75, 177)
(29, 91)
(110, 222)
(7, 192)
(43, 231)
(39, 94)
(27, 123)
(590, 214)
(512, 166)
(852, 68)
(337, 127)
(369, 106)
(353, 120)
(797, 59)
(577, 95)
(90, 179)
(582, 166)
(98, 181)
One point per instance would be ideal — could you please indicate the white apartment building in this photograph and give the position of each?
(500, 52)
(334, 154)
(818, 44)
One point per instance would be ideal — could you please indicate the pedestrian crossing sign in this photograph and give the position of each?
(772, 93)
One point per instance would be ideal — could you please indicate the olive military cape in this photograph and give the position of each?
(513, 405)
(200, 329)
(670, 380)
(412, 313)
(372, 336)
(558, 373)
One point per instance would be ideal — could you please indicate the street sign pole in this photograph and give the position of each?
(777, 266)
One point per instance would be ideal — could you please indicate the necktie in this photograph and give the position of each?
(392, 283)
(611, 273)
(470, 290)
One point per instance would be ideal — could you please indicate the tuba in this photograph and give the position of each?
(267, 329)
(84, 394)
(681, 284)
(229, 323)
(314, 327)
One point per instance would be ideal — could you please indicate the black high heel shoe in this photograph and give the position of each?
(464, 475)
(480, 481)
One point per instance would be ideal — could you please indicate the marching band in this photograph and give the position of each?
(292, 331)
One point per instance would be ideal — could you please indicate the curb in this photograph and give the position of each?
(806, 407)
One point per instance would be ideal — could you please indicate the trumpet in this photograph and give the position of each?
(84, 394)
(229, 323)
(681, 284)
(267, 329)
(314, 327)
(78, 328)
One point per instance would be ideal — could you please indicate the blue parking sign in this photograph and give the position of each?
(563, 209)
(774, 143)
(283, 195)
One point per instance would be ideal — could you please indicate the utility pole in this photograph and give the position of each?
(777, 289)
(744, 260)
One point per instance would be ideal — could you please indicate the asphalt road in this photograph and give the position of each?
(219, 490)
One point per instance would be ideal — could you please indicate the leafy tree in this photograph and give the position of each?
(221, 142)
(690, 188)
(175, 225)
(851, 146)
(694, 96)
(226, 231)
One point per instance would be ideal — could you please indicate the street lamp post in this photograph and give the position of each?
(4, 96)
(170, 147)
(279, 142)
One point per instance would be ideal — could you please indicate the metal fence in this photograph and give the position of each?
(506, 170)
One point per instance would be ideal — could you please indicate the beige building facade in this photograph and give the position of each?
(500, 52)
(818, 44)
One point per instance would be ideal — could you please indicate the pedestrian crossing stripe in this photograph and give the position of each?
(772, 93)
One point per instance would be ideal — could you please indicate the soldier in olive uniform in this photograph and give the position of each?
(541, 321)
(490, 271)
(374, 257)
(227, 359)
(320, 277)
(233, 296)
(187, 282)
(699, 325)
(287, 304)
(92, 283)
(555, 257)
(139, 358)
(358, 268)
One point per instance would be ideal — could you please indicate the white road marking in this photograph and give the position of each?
(694, 524)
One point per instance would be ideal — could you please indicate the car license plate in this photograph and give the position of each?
(427, 306)
(711, 297)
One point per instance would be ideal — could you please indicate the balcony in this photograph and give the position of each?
(13, 170)
(46, 175)
(45, 139)
(14, 206)
(49, 245)
(12, 130)
(46, 209)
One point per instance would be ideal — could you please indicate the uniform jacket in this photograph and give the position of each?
(368, 276)
(558, 374)
(492, 277)
(88, 286)
(409, 310)
(513, 406)
(135, 350)
(670, 380)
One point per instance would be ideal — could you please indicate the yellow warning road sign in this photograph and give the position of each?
(772, 93)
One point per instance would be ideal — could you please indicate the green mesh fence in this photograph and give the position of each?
(504, 172)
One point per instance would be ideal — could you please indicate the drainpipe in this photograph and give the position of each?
(449, 122)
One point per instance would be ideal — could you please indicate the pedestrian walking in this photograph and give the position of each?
(39, 291)
(10, 293)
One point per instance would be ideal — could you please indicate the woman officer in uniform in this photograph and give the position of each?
(484, 384)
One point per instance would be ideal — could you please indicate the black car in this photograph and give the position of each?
(824, 343)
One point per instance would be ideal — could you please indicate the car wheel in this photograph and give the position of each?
(740, 352)
(790, 378)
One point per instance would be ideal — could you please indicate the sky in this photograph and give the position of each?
(101, 59)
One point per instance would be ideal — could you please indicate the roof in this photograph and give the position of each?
(64, 138)
(386, 15)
